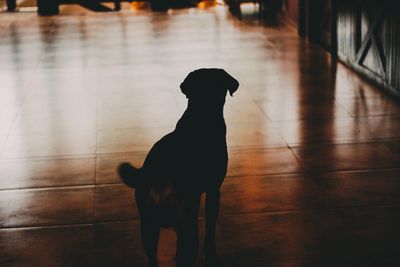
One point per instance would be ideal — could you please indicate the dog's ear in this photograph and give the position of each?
(200, 79)
(230, 83)
(189, 84)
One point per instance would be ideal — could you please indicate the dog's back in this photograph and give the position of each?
(194, 155)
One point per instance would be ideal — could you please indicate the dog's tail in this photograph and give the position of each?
(129, 174)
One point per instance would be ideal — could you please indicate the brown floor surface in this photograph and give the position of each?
(314, 149)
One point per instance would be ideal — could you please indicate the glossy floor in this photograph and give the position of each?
(314, 166)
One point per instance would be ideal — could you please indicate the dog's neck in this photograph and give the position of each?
(202, 118)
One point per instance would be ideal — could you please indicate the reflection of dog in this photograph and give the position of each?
(181, 166)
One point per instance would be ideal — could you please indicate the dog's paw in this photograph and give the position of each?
(128, 174)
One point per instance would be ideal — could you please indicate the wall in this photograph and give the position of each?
(368, 40)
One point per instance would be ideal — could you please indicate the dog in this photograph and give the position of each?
(181, 166)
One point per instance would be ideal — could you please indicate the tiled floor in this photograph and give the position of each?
(314, 172)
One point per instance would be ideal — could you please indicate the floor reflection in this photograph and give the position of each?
(314, 155)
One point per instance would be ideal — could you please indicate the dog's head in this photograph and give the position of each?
(209, 85)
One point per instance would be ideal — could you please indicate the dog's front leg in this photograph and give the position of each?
(150, 232)
(212, 210)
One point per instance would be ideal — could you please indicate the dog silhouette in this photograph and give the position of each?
(181, 166)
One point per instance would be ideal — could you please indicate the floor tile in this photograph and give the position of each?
(119, 244)
(274, 238)
(394, 146)
(47, 121)
(70, 83)
(260, 134)
(43, 206)
(106, 167)
(235, 113)
(3, 139)
(316, 157)
(49, 144)
(323, 131)
(349, 86)
(258, 161)
(376, 232)
(115, 202)
(46, 173)
(142, 116)
(385, 127)
(14, 78)
(312, 110)
(7, 119)
(369, 107)
(256, 194)
(129, 140)
(359, 188)
(55, 246)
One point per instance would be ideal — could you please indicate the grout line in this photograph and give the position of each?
(367, 141)
(236, 148)
(3, 145)
(312, 210)
(98, 97)
(15, 120)
(55, 157)
(263, 175)
(54, 226)
(48, 188)
(306, 211)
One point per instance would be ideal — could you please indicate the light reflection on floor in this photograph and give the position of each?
(314, 155)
